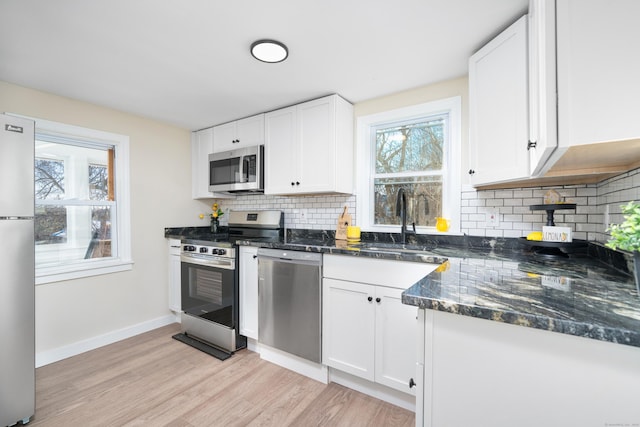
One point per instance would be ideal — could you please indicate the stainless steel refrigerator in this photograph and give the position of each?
(17, 271)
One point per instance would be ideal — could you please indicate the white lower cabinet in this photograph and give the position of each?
(248, 291)
(348, 327)
(367, 331)
(478, 372)
(395, 348)
(174, 275)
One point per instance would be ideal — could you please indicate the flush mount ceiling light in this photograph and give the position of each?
(269, 51)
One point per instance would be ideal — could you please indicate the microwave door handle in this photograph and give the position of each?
(244, 170)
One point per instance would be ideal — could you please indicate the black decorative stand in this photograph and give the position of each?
(553, 249)
(551, 208)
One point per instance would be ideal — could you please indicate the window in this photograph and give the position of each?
(416, 148)
(82, 202)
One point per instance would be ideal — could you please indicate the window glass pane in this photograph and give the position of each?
(50, 224)
(49, 179)
(86, 234)
(98, 182)
(423, 195)
(416, 146)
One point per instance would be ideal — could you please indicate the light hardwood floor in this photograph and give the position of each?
(154, 380)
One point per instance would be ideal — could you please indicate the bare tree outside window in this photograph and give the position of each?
(409, 155)
(98, 176)
(49, 179)
(50, 221)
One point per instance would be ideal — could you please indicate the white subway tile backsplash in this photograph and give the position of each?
(516, 219)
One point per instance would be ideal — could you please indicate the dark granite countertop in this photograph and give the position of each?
(586, 294)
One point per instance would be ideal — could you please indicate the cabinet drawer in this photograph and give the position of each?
(383, 272)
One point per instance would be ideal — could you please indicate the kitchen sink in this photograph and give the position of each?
(393, 248)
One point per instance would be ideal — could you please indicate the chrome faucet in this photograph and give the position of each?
(401, 211)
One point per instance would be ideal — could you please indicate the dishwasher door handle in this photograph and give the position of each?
(314, 262)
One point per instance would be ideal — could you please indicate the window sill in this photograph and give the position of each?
(59, 274)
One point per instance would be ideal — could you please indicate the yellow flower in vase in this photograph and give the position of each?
(215, 217)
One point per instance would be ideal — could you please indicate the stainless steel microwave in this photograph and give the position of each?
(237, 171)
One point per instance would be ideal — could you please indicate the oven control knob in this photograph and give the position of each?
(203, 250)
(221, 251)
(189, 248)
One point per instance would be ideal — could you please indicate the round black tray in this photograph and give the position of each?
(554, 249)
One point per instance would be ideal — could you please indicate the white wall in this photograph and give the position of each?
(108, 306)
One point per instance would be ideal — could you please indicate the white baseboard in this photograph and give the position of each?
(294, 363)
(50, 356)
(395, 397)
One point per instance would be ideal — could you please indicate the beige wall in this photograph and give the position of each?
(73, 311)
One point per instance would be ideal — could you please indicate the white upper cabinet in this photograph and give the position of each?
(498, 108)
(543, 123)
(201, 147)
(582, 90)
(598, 91)
(598, 70)
(309, 148)
(241, 133)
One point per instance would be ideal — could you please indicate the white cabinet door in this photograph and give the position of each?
(316, 148)
(201, 147)
(598, 69)
(309, 148)
(174, 295)
(240, 133)
(395, 348)
(348, 322)
(224, 137)
(249, 291)
(250, 131)
(543, 120)
(280, 152)
(498, 108)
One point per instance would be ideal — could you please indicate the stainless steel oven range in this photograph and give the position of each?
(210, 297)
(209, 282)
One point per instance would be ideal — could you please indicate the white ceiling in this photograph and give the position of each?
(187, 62)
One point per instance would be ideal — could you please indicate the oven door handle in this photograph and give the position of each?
(224, 263)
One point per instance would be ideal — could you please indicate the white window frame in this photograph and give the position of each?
(451, 185)
(122, 261)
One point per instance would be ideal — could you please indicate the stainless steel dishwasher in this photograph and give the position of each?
(289, 301)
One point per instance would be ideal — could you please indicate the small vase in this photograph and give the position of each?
(215, 225)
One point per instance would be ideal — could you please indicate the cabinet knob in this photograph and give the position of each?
(297, 183)
(293, 183)
(255, 256)
(471, 171)
(235, 141)
(412, 383)
(378, 300)
(531, 144)
(370, 299)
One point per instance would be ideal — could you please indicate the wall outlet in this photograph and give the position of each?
(493, 218)
(304, 215)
